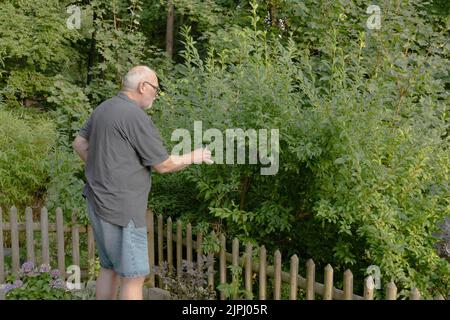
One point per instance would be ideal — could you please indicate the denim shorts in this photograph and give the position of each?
(122, 249)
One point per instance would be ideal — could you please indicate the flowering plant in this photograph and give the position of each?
(191, 283)
(36, 283)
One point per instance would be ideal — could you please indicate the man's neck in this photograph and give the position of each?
(133, 96)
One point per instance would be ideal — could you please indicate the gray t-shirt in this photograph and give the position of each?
(123, 145)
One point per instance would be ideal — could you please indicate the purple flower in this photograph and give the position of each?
(58, 284)
(54, 273)
(44, 268)
(18, 283)
(27, 267)
(8, 287)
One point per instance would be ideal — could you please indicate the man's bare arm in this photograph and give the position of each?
(81, 145)
(177, 163)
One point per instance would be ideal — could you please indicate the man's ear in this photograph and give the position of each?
(141, 87)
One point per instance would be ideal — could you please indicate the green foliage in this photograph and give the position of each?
(174, 195)
(249, 95)
(363, 150)
(71, 109)
(24, 145)
(375, 143)
(66, 170)
(65, 185)
(233, 290)
(362, 116)
(119, 45)
(94, 269)
(211, 243)
(33, 50)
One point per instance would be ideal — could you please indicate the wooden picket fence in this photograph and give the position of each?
(44, 227)
(161, 248)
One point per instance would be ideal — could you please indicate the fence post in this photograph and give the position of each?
(60, 241)
(368, 288)
(414, 294)
(248, 270)
(293, 278)
(75, 239)
(2, 253)
(262, 273)
(391, 291)
(179, 248)
(328, 283)
(211, 271)
(91, 246)
(235, 259)
(44, 237)
(169, 245)
(151, 246)
(160, 241)
(348, 285)
(189, 243)
(310, 279)
(211, 268)
(222, 264)
(14, 240)
(29, 235)
(199, 245)
(277, 276)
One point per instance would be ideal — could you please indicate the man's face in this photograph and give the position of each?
(149, 91)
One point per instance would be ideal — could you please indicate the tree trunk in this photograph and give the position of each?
(273, 13)
(169, 29)
(91, 53)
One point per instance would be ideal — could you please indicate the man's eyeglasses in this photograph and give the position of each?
(158, 90)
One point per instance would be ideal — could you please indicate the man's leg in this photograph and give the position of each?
(106, 285)
(107, 236)
(134, 264)
(131, 288)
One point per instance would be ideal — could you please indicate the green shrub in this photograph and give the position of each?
(66, 169)
(65, 185)
(363, 176)
(24, 146)
(35, 46)
(40, 283)
(174, 195)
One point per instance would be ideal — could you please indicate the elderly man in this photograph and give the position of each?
(121, 146)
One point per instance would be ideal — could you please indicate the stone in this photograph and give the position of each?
(90, 287)
(2, 292)
(156, 294)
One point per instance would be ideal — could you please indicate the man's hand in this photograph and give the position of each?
(201, 155)
(81, 145)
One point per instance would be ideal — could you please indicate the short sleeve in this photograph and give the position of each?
(85, 131)
(147, 142)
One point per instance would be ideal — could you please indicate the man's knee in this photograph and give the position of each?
(108, 273)
(136, 281)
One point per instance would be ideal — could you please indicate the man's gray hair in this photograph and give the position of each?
(134, 76)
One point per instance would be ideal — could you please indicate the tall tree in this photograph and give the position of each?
(169, 28)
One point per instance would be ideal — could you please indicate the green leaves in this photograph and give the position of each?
(24, 145)
(37, 284)
(362, 117)
(34, 49)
